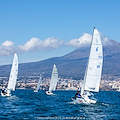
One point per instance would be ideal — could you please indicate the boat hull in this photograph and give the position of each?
(35, 91)
(48, 93)
(83, 100)
(5, 95)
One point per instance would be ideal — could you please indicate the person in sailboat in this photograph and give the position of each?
(77, 95)
(4, 91)
(46, 91)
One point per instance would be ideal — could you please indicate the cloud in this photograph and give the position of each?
(8, 43)
(30, 45)
(51, 43)
(84, 40)
(7, 48)
(105, 40)
(36, 43)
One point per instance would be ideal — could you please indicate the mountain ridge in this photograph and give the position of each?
(71, 65)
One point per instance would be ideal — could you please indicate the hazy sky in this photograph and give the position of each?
(41, 29)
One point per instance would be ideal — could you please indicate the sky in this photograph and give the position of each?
(41, 29)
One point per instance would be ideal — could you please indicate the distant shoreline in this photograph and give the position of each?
(58, 90)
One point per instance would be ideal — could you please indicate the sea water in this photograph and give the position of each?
(26, 104)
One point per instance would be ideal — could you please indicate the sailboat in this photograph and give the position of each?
(118, 89)
(38, 85)
(93, 71)
(12, 78)
(53, 82)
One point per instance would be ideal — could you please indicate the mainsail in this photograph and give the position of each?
(13, 74)
(39, 82)
(54, 79)
(94, 67)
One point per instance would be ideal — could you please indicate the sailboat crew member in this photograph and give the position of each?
(4, 91)
(77, 95)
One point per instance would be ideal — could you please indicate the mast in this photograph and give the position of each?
(83, 86)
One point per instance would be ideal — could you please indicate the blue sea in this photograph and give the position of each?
(28, 105)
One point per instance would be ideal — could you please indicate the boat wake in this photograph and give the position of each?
(74, 102)
(104, 104)
(80, 102)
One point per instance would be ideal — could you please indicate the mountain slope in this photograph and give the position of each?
(71, 65)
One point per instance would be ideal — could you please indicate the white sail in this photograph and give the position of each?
(13, 74)
(94, 67)
(39, 82)
(54, 79)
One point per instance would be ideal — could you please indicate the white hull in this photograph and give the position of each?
(5, 95)
(118, 89)
(35, 91)
(84, 100)
(48, 93)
